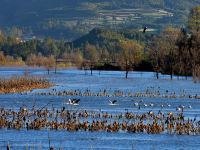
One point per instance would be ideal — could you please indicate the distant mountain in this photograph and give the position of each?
(70, 19)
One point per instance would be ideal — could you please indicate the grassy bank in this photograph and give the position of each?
(24, 83)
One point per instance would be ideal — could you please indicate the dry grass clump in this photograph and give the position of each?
(23, 83)
(6, 60)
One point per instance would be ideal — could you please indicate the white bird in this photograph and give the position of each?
(136, 104)
(73, 101)
(180, 108)
(145, 105)
(112, 102)
(168, 105)
(151, 104)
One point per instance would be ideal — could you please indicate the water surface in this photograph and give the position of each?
(111, 81)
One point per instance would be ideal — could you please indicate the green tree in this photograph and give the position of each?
(15, 32)
(50, 47)
(194, 20)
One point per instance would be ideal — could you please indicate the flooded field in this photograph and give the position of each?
(140, 93)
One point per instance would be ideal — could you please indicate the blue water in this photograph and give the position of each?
(111, 81)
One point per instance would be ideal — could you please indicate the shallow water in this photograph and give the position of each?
(111, 81)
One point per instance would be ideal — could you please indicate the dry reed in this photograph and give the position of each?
(17, 84)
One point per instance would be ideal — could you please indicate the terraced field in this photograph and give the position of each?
(124, 17)
(71, 19)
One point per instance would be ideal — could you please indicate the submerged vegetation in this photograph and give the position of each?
(24, 83)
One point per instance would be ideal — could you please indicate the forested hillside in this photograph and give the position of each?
(70, 19)
(175, 50)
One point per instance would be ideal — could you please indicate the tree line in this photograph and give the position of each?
(177, 51)
(173, 51)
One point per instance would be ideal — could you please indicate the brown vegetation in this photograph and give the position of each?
(148, 93)
(91, 121)
(131, 54)
(24, 83)
(10, 60)
(47, 62)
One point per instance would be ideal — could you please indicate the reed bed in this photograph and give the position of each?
(118, 93)
(18, 84)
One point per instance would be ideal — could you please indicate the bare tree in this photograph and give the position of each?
(164, 51)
